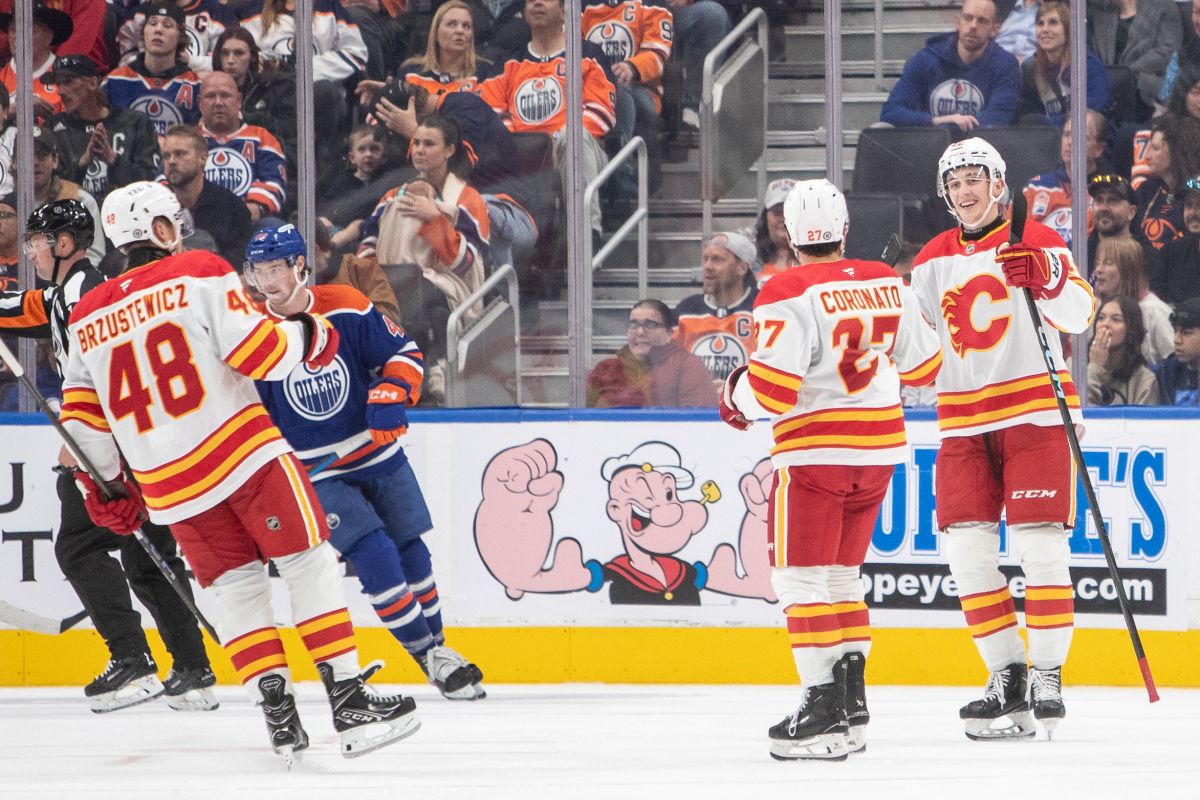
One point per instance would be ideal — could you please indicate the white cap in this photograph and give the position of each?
(815, 213)
(973, 152)
(737, 244)
(777, 192)
(650, 457)
(129, 212)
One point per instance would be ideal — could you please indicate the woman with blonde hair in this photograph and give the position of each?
(1120, 272)
(1046, 78)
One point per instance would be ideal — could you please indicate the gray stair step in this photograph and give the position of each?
(861, 13)
(806, 111)
(900, 40)
(813, 66)
(680, 184)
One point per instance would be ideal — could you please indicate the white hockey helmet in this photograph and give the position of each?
(129, 212)
(815, 213)
(973, 152)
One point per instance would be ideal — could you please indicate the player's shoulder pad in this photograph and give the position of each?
(331, 298)
(944, 244)
(191, 264)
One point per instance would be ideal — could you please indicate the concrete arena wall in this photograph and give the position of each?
(1143, 462)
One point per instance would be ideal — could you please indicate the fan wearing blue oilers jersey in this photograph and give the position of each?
(345, 421)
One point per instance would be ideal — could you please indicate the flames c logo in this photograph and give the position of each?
(958, 306)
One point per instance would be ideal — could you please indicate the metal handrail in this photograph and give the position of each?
(879, 46)
(454, 328)
(640, 217)
(708, 159)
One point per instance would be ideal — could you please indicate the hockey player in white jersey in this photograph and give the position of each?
(835, 339)
(1003, 445)
(162, 365)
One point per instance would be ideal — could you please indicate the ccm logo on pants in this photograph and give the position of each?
(1032, 494)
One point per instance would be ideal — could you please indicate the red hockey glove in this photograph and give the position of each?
(386, 415)
(1030, 267)
(123, 513)
(729, 412)
(321, 339)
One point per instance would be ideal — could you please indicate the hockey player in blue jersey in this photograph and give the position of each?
(354, 410)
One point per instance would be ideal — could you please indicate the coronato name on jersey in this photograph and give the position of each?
(993, 375)
(324, 412)
(834, 342)
(132, 340)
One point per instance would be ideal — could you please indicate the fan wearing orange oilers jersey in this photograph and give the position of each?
(163, 368)
(1003, 445)
(356, 407)
(835, 339)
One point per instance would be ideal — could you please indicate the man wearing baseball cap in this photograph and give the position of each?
(1180, 274)
(1179, 374)
(50, 29)
(774, 249)
(717, 324)
(48, 186)
(1113, 209)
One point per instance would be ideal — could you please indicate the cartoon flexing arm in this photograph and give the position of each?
(514, 529)
(752, 543)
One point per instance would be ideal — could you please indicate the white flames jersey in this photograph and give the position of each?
(993, 374)
(163, 360)
(834, 342)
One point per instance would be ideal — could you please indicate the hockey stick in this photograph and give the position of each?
(891, 250)
(15, 367)
(30, 621)
(1015, 233)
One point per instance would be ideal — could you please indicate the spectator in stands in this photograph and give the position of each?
(245, 159)
(1184, 99)
(500, 28)
(51, 29)
(1138, 34)
(9, 280)
(158, 81)
(268, 89)
(651, 369)
(1119, 271)
(1117, 374)
(204, 22)
(700, 25)
(1187, 55)
(449, 63)
(84, 36)
(365, 159)
(1173, 154)
(1049, 194)
(1180, 277)
(432, 230)
(385, 36)
(363, 274)
(1177, 376)
(340, 58)
(1018, 31)
(8, 138)
(1113, 209)
(961, 80)
(48, 186)
(214, 208)
(100, 146)
(1046, 78)
(771, 240)
(637, 38)
(529, 95)
(717, 324)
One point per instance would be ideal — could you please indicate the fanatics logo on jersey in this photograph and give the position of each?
(615, 40)
(318, 395)
(538, 99)
(228, 168)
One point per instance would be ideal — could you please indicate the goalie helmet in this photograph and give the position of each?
(128, 216)
(815, 213)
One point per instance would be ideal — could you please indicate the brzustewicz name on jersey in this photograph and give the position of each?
(136, 311)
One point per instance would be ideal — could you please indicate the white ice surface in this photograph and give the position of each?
(591, 741)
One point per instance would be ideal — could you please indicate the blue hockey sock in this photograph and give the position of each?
(382, 575)
(419, 568)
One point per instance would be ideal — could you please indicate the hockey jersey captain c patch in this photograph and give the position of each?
(321, 394)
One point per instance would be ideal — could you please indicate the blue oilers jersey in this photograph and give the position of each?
(170, 99)
(323, 412)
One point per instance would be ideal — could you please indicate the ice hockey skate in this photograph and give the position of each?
(1045, 695)
(850, 674)
(816, 730)
(366, 721)
(190, 689)
(454, 676)
(283, 720)
(126, 681)
(1003, 712)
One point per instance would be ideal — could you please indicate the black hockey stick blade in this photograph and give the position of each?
(891, 250)
(72, 621)
(1015, 233)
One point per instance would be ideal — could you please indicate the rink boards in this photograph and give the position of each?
(526, 576)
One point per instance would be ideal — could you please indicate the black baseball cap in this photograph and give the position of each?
(164, 9)
(1187, 314)
(59, 23)
(72, 65)
(1111, 182)
(44, 139)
